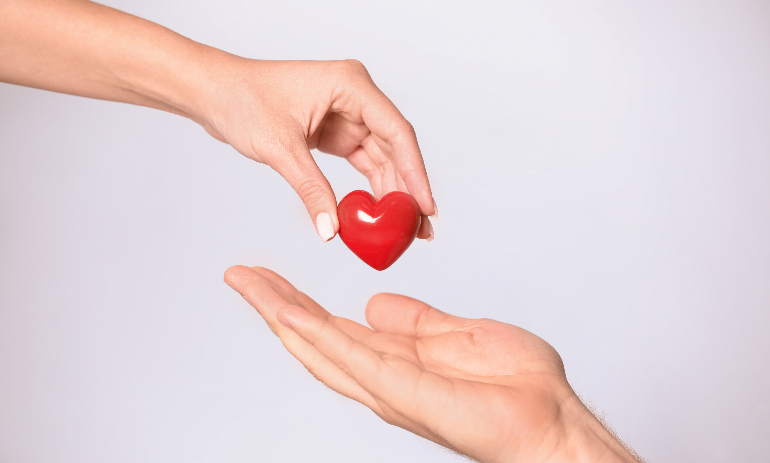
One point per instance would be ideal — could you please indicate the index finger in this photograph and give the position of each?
(395, 135)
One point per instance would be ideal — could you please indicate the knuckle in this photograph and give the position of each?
(383, 164)
(311, 192)
(402, 133)
(389, 418)
(355, 66)
(315, 373)
(408, 129)
(371, 172)
(388, 415)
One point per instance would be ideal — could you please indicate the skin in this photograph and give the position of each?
(273, 112)
(485, 389)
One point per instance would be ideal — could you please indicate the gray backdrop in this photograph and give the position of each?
(602, 171)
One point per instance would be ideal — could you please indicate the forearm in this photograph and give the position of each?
(87, 49)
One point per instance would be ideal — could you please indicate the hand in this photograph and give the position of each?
(486, 389)
(274, 112)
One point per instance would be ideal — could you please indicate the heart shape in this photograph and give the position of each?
(378, 232)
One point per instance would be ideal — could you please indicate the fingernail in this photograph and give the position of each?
(324, 226)
(230, 284)
(435, 211)
(284, 322)
(430, 238)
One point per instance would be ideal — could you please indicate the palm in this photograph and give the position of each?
(500, 375)
(484, 388)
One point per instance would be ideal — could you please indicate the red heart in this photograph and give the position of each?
(378, 231)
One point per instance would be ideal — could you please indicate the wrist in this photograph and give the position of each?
(586, 439)
(173, 73)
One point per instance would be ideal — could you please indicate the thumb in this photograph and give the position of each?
(298, 167)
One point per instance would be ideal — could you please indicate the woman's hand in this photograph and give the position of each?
(271, 111)
(275, 112)
(486, 389)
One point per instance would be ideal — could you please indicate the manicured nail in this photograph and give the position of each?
(430, 238)
(284, 322)
(435, 211)
(324, 226)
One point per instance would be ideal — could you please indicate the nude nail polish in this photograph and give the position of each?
(324, 226)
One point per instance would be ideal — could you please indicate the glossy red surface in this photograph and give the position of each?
(378, 232)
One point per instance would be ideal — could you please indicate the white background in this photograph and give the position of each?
(603, 175)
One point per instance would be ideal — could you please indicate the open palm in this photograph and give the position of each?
(486, 389)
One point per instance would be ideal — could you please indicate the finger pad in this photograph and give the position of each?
(237, 276)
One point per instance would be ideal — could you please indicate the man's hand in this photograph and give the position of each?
(486, 389)
(271, 111)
